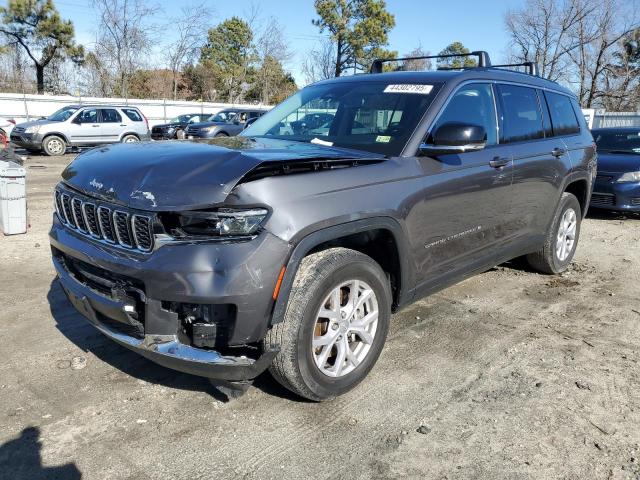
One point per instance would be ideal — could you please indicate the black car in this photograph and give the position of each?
(291, 250)
(176, 127)
(617, 185)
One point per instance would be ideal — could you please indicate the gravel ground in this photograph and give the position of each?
(510, 374)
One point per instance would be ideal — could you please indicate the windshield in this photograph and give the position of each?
(373, 116)
(224, 116)
(181, 119)
(618, 141)
(62, 114)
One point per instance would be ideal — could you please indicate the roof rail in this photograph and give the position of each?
(532, 67)
(483, 59)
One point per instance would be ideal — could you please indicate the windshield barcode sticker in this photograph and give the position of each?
(416, 88)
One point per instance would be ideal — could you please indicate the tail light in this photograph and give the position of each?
(11, 121)
(146, 121)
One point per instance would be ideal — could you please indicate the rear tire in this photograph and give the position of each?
(561, 240)
(336, 293)
(130, 139)
(54, 145)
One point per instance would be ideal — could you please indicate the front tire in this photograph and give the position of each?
(335, 324)
(54, 145)
(561, 240)
(180, 134)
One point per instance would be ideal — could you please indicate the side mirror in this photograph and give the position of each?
(77, 120)
(455, 138)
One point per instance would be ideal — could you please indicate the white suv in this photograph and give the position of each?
(80, 126)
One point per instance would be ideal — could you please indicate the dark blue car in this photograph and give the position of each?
(617, 185)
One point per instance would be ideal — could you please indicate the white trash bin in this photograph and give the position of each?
(13, 201)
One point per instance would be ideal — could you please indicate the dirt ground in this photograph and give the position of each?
(510, 374)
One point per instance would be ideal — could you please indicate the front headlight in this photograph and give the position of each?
(210, 129)
(224, 222)
(630, 177)
(32, 129)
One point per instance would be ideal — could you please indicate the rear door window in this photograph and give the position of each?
(110, 115)
(133, 114)
(521, 118)
(563, 117)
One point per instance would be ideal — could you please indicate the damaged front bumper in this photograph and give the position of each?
(135, 314)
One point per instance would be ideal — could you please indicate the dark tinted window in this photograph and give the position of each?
(617, 141)
(133, 114)
(109, 115)
(563, 117)
(473, 105)
(90, 115)
(521, 117)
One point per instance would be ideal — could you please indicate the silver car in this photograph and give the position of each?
(81, 126)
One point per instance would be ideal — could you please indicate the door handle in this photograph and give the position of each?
(499, 162)
(95, 126)
(558, 152)
(123, 124)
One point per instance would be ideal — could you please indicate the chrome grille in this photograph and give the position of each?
(635, 202)
(101, 222)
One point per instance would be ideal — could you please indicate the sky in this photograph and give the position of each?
(479, 25)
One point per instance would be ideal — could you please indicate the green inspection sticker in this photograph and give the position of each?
(383, 139)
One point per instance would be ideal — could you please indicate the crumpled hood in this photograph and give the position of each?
(618, 162)
(183, 174)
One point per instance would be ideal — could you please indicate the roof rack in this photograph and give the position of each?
(532, 67)
(483, 59)
(483, 62)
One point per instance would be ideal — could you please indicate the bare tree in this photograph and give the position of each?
(125, 37)
(273, 53)
(574, 41)
(542, 32)
(320, 62)
(417, 65)
(191, 28)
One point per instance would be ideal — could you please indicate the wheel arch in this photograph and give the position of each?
(381, 238)
(137, 135)
(579, 187)
(56, 134)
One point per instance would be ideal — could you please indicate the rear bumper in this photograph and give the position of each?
(609, 194)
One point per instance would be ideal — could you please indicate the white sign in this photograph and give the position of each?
(416, 88)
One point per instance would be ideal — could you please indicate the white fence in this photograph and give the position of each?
(599, 118)
(23, 107)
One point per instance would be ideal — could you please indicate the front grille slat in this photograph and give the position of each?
(142, 234)
(101, 222)
(91, 218)
(76, 207)
(121, 225)
(68, 212)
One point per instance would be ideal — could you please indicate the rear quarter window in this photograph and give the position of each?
(133, 114)
(563, 116)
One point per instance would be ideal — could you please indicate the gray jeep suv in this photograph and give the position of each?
(81, 126)
(291, 250)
